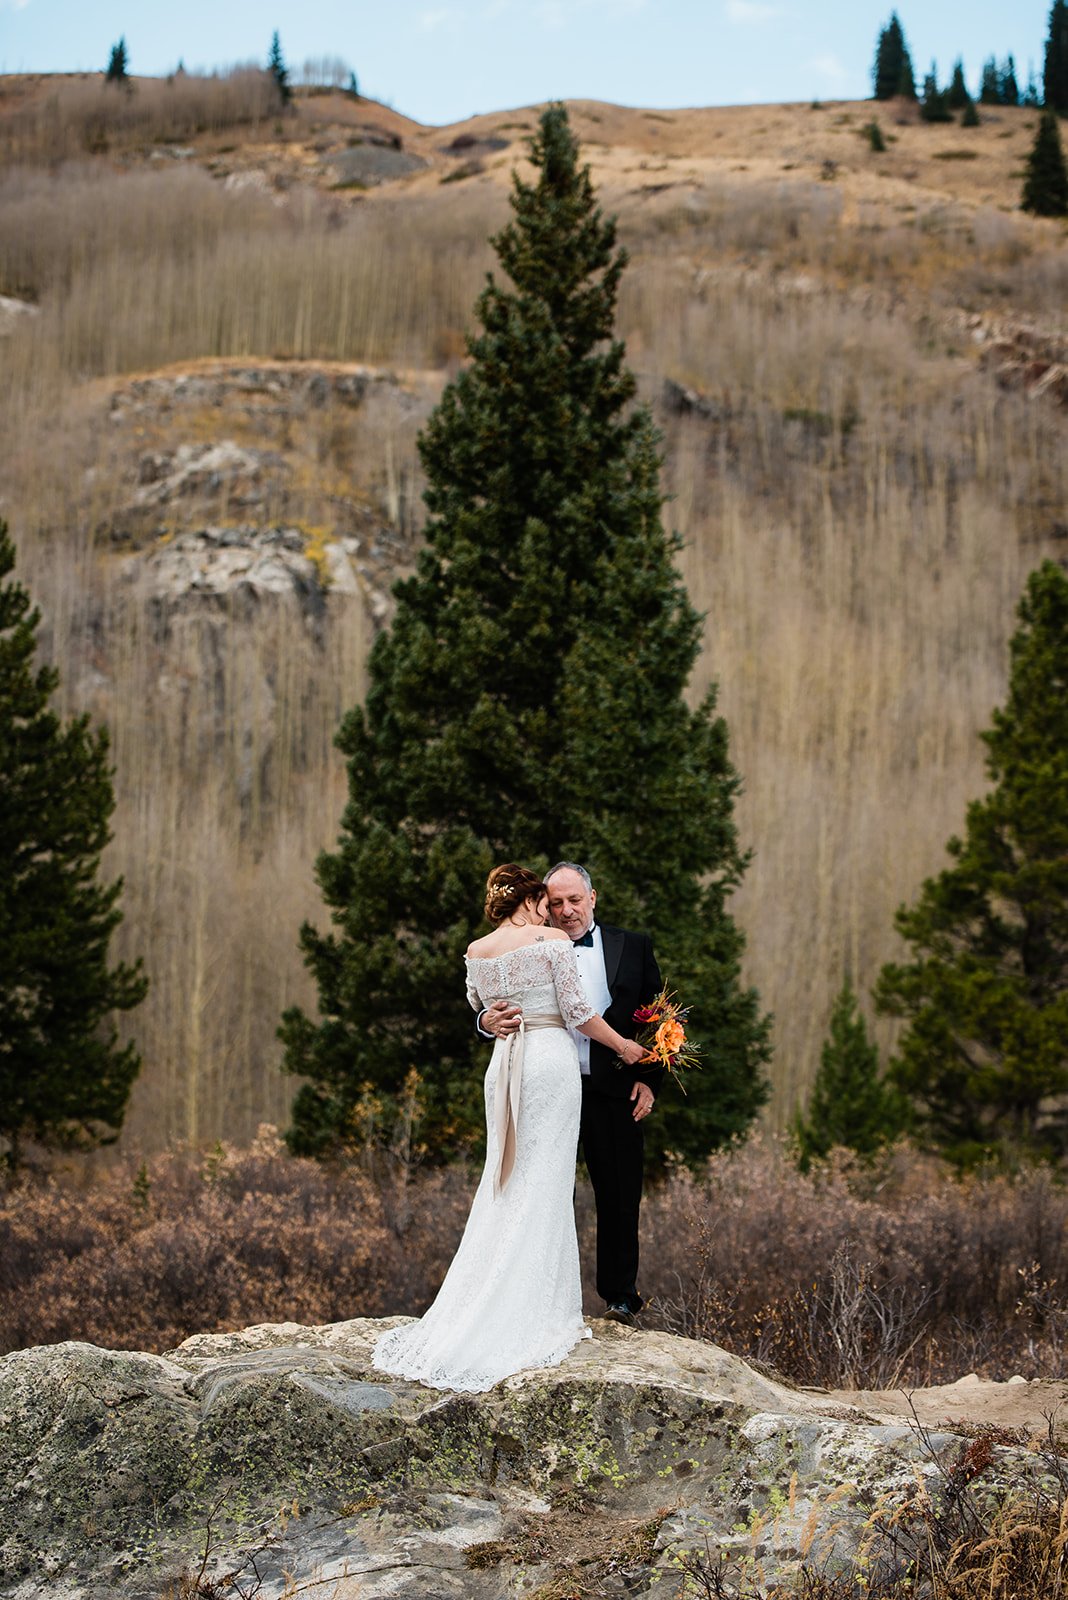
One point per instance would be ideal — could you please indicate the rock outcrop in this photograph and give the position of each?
(250, 520)
(279, 1457)
(13, 311)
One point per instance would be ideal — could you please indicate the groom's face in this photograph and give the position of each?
(570, 902)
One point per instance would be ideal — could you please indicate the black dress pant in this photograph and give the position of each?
(613, 1146)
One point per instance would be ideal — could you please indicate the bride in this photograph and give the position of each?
(512, 1297)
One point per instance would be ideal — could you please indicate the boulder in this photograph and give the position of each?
(279, 1456)
(14, 312)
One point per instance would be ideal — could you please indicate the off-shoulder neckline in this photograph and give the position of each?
(532, 944)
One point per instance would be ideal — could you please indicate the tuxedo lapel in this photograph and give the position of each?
(612, 941)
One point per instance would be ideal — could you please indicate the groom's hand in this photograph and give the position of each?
(643, 1098)
(501, 1019)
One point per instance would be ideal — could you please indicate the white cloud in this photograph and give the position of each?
(829, 67)
(751, 11)
(443, 17)
(554, 13)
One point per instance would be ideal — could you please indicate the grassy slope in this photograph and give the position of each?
(860, 506)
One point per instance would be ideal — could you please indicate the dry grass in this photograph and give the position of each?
(51, 120)
(833, 1280)
(970, 1541)
(860, 513)
(869, 1281)
(196, 1243)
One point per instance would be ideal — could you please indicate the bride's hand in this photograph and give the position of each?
(631, 1053)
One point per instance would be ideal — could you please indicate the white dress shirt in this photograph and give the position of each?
(590, 961)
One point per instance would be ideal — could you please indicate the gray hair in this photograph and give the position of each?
(571, 866)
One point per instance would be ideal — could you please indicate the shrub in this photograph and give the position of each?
(845, 1277)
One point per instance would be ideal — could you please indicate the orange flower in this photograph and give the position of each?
(670, 1037)
(662, 1035)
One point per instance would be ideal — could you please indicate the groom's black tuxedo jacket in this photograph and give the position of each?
(633, 980)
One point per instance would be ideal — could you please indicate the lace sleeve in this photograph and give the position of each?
(474, 999)
(574, 1006)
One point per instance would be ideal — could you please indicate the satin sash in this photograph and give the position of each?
(509, 1086)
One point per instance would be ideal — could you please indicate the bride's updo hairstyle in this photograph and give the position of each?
(507, 887)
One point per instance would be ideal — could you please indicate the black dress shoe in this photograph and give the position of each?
(619, 1311)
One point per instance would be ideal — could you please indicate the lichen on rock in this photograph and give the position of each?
(282, 1445)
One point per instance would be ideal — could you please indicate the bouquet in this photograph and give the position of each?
(662, 1033)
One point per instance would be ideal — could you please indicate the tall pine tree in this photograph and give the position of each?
(957, 96)
(935, 105)
(985, 993)
(64, 1078)
(990, 84)
(279, 71)
(1045, 190)
(850, 1106)
(117, 64)
(892, 72)
(528, 704)
(1055, 71)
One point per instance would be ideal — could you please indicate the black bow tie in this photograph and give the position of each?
(587, 939)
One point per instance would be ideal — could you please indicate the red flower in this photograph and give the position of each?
(647, 1014)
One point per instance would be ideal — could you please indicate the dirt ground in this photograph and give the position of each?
(1017, 1406)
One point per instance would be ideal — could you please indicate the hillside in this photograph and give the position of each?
(222, 332)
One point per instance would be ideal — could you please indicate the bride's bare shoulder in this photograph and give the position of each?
(557, 935)
(484, 946)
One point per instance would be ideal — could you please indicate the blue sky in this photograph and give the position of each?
(442, 60)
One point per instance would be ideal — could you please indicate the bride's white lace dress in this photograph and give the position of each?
(512, 1296)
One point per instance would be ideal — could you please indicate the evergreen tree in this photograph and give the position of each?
(934, 107)
(892, 72)
(957, 96)
(117, 64)
(1032, 99)
(1045, 190)
(969, 117)
(1055, 72)
(528, 704)
(850, 1106)
(874, 135)
(986, 990)
(279, 71)
(1010, 89)
(64, 1079)
(354, 87)
(906, 83)
(990, 84)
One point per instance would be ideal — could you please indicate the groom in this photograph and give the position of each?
(619, 973)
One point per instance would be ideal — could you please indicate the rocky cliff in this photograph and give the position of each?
(276, 1462)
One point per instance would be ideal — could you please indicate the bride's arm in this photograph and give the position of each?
(576, 1009)
(629, 1051)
